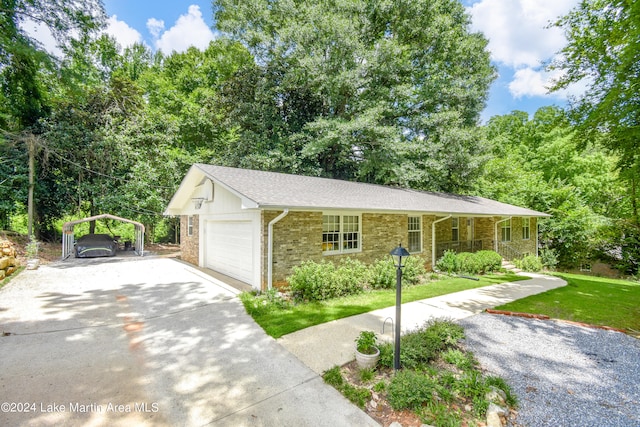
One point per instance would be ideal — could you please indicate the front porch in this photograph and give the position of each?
(511, 237)
(507, 251)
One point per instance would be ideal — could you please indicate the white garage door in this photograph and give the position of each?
(229, 248)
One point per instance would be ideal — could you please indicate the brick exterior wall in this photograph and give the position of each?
(298, 237)
(189, 245)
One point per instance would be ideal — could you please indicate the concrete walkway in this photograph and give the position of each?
(148, 342)
(324, 346)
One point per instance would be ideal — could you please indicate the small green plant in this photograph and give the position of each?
(358, 395)
(410, 390)
(366, 375)
(257, 303)
(380, 387)
(441, 415)
(31, 250)
(366, 342)
(333, 377)
(460, 359)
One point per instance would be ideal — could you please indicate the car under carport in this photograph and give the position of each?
(68, 238)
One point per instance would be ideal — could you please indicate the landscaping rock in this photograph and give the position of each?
(8, 261)
(495, 415)
(496, 395)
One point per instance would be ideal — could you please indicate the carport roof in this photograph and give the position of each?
(272, 190)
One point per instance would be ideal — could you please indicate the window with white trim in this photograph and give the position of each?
(340, 233)
(455, 230)
(414, 229)
(526, 228)
(190, 225)
(505, 234)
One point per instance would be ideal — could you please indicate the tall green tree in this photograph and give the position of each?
(539, 163)
(25, 71)
(603, 50)
(377, 91)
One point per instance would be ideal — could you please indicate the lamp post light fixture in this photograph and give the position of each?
(397, 254)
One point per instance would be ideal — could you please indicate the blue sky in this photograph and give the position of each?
(519, 41)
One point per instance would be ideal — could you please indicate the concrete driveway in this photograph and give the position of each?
(148, 341)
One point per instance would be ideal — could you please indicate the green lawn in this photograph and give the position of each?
(279, 322)
(587, 299)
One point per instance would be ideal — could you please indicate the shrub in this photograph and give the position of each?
(350, 277)
(448, 263)
(312, 281)
(468, 262)
(529, 263)
(463, 361)
(382, 274)
(413, 270)
(444, 331)
(489, 260)
(549, 258)
(423, 345)
(410, 390)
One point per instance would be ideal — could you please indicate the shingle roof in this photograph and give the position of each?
(278, 190)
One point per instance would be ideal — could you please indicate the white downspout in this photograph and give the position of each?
(537, 232)
(495, 235)
(270, 248)
(433, 240)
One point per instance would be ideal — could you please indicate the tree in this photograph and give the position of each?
(539, 163)
(386, 92)
(24, 66)
(603, 50)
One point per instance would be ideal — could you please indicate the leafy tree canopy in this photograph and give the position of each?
(377, 91)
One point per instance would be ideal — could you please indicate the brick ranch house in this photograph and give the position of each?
(256, 226)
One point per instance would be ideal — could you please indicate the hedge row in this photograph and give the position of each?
(471, 263)
(313, 281)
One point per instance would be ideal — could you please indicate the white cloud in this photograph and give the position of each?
(122, 32)
(189, 30)
(43, 35)
(529, 82)
(155, 27)
(518, 30)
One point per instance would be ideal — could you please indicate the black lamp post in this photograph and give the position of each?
(397, 254)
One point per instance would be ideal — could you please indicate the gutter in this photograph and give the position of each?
(495, 234)
(270, 248)
(433, 240)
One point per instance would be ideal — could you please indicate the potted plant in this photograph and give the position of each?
(367, 353)
(31, 251)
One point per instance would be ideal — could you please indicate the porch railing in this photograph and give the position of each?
(508, 252)
(459, 246)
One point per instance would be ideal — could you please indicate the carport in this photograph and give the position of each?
(68, 238)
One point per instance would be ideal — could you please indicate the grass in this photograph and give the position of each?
(7, 279)
(587, 299)
(281, 321)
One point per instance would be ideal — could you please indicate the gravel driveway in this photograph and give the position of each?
(564, 375)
